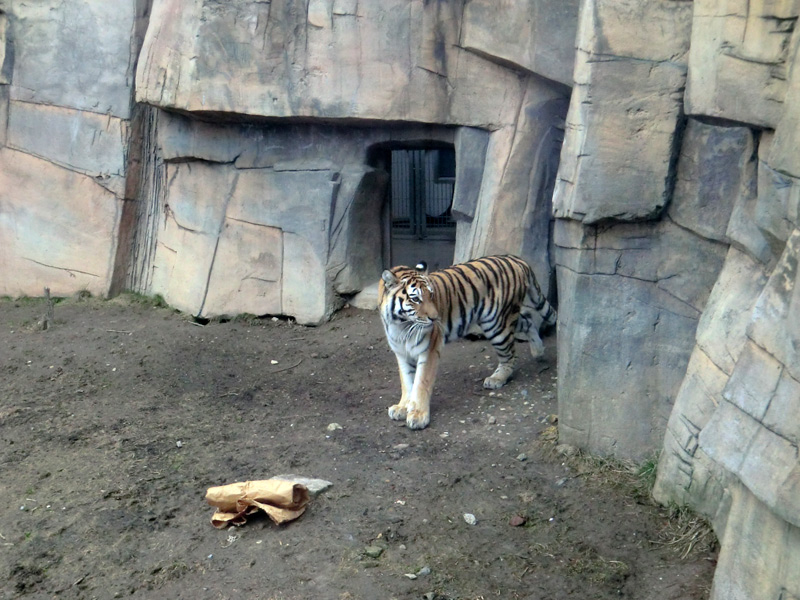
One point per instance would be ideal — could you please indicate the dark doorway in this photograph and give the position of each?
(422, 224)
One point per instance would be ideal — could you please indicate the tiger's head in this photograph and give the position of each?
(406, 295)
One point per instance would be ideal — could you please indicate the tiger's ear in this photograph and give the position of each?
(422, 267)
(389, 278)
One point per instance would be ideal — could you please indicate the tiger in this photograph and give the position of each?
(422, 311)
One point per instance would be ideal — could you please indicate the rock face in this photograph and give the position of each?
(236, 157)
(625, 116)
(736, 42)
(221, 211)
(727, 217)
(689, 222)
(65, 141)
(345, 61)
(628, 313)
(45, 245)
(393, 60)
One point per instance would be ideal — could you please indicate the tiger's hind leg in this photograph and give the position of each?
(503, 343)
(537, 347)
(528, 329)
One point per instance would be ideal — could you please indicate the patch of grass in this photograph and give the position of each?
(597, 569)
(176, 570)
(549, 435)
(177, 462)
(32, 300)
(632, 479)
(156, 301)
(646, 477)
(686, 532)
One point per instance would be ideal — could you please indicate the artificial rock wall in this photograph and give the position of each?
(677, 247)
(66, 108)
(232, 157)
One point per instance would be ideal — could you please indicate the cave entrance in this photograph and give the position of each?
(421, 224)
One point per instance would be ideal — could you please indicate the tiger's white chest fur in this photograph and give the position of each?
(408, 339)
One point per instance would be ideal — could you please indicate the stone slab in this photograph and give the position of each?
(740, 60)
(777, 211)
(520, 216)
(181, 265)
(622, 356)
(298, 202)
(387, 61)
(470, 146)
(626, 329)
(711, 167)
(188, 201)
(783, 156)
(305, 293)
(776, 317)
(470, 235)
(645, 252)
(606, 29)
(759, 222)
(622, 126)
(182, 138)
(367, 298)
(753, 381)
(722, 326)
(5, 54)
(82, 141)
(246, 274)
(4, 102)
(189, 231)
(95, 50)
(355, 257)
(535, 35)
(698, 397)
(64, 241)
(771, 464)
(728, 435)
(624, 118)
(764, 461)
(759, 553)
(784, 406)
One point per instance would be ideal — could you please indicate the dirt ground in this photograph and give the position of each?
(115, 421)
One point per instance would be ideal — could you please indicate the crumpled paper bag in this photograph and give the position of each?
(281, 500)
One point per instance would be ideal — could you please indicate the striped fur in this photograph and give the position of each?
(422, 311)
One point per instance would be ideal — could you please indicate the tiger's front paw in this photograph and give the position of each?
(499, 378)
(418, 419)
(494, 382)
(397, 412)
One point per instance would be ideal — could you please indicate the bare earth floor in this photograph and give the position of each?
(115, 421)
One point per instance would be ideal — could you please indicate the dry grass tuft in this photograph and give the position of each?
(599, 570)
(685, 532)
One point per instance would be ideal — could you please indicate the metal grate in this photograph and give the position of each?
(422, 193)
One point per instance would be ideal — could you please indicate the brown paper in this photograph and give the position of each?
(281, 500)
